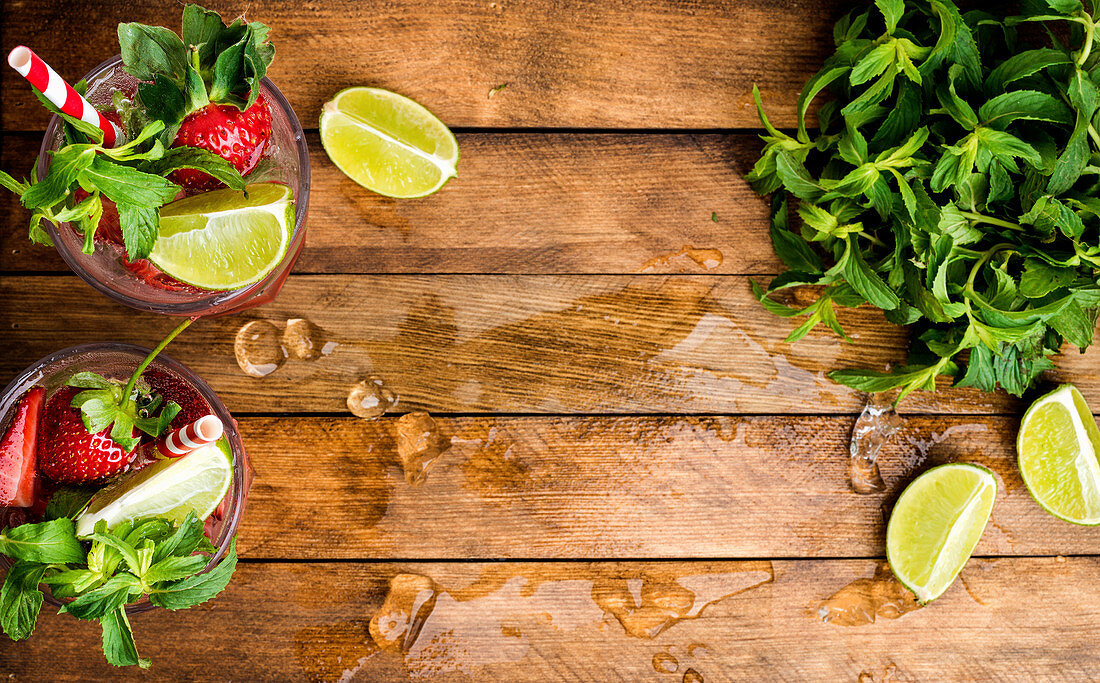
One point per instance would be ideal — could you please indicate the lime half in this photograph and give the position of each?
(169, 489)
(388, 143)
(935, 525)
(225, 239)
(1057, 453)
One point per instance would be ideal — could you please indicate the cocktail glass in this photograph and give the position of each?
(286, 161)
(176, 382)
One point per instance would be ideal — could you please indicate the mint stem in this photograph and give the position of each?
(126, 394)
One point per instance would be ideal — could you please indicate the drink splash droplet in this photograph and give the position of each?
(873, 428)
(419, 445)
(370, 399)
(692, 676)
(257, 348)
(865, 600)
(301, 339)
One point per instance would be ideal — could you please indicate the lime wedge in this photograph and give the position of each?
(935, 525)
(225, 239)
(1057, 453)
(168, 489)
(388, 143)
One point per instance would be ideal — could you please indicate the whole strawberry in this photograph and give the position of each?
(204, 86)
(239, 137)
(67, 453)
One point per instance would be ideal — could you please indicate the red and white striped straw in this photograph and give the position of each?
(56, 90)
(202, 432)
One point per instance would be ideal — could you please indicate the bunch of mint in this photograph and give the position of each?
(954, 184)
(133, 175)
(151, 558)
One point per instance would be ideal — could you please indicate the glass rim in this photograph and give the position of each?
(241, 464)
(216, 299)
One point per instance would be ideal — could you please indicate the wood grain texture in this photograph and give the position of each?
(523, 203)
(510, 344)
(580, 63)
(1008, 619)
(631, 487)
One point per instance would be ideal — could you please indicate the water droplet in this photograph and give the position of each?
(257, 348)
(419, 445)
(692, 676)
(873, 428)
(370, 399)
(328, 348)
(864, 600)
(664, 663)
(300, 339)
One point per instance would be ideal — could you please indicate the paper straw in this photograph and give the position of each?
(202, 432)
(56, 90)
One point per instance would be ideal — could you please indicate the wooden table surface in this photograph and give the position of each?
(645, 482)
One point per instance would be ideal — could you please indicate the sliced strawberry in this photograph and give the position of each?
(18, 479)
(67, 453)
(239, 137)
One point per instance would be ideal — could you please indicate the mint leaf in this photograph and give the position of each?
(109, 597)
(175, 568)
(187, 539)
(163, 99)
(52, 542)
(199, 159)
(199, 588)
(68, 502)
(118, 640)
(126, 185)
(90, 380)
(140, 228)
(66, 165)
(20, 599)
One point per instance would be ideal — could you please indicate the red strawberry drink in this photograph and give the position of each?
(150, 501)
(216, 153)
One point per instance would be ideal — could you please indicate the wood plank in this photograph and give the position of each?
(524, 203)
(607, 488)
(1008, 619)
(509, 344)
(581, 63)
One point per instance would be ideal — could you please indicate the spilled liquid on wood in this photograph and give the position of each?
(864, 601)
(662, 344)
(687, 260)
(509, 613)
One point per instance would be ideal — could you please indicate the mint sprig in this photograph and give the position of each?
(153, 558)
